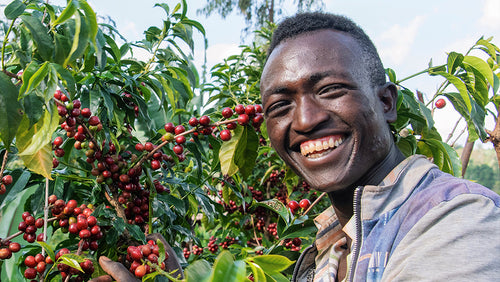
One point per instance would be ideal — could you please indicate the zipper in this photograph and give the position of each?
(357, 239)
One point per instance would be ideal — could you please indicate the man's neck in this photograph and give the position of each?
(342, 201)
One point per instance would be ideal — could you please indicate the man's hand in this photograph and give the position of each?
(119, 272)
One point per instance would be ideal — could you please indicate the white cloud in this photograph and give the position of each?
(396, 42)
(216, 54)
(491, 14)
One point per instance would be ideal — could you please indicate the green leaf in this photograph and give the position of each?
(276, 206)
(11, 112)
(454, 61)
(66, 14)
(136, 232)
(41, 37)
(481, 66)
(198, 271)
(80, 39)
(445, 157)
(71, 261)
(48, 249)
(35, 79)
(32, 139)
(391, 74)
(306, 229)
(226, 269)
(14, 9)
(460, 85)
(258, 273)
(91, 19)
(271, 263)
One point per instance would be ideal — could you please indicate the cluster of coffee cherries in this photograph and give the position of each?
(139, 257)
(7, 248)
(272, 230)
(5, 181)
(87, 266)
(293, 244)
(29, 226)
(137, 208)
(36, 265)
(295, 206)
(73, 120)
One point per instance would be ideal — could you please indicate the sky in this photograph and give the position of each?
(407, 34)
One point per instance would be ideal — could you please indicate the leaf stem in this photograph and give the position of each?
(5, 40)
(412, 76)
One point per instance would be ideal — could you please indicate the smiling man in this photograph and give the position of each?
(328, 107)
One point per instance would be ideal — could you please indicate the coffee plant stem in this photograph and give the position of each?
(254, 232)
(453, 130)
(4, 162)
(315, 202)
(5, 40)
(45, 213)
(412, 76)
(8, 238)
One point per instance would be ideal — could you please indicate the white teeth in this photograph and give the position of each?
(331, 143)
(325, 145)
(318, 146)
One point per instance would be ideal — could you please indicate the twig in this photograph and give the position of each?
(4, 162)
(315, 202)
(453, 130)
(458, 137)
(254, 233)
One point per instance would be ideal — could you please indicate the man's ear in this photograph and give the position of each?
(388, 97)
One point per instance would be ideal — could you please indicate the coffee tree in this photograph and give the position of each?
(100, 149)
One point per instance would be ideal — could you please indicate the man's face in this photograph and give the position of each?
(323, 116)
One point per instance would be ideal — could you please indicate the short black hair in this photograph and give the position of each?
(313, 21)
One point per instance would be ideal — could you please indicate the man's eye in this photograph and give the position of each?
(276, 107)
(332, 89)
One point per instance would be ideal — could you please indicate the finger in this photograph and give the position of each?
(117, 270)
(104, 278)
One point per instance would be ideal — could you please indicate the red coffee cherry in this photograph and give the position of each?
(305, 203)
(440, 103)
(293, 205)
(7, 179)
(243, 119)
(94, 120)
(179, 129)
(178, 149)
(225, 135)
(85, 112)
(239, 109)
(169, 127)
(193, 121)
(204, 120)
(227, 112)
(155, 164)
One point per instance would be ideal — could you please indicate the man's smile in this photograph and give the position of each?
(318, 147)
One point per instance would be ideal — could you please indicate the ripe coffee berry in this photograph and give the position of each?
(94, 120)
(204, 120)
(169, 127)
(250, 110)
(140, 271)
(293, 205)
(181, 139)
(178, 149)
(440, 103)
(227, 112)
(193, 121)
(58, 141)
(239, 109)
(155, 164)
(149, 146)
(139, 147)
(305, 203)
(243, 119)
(225, 135)
(7, 179)
(231, 125)
(258, 108)
(179, 129)
(85, 112)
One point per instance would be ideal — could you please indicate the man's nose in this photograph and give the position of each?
(309, 114)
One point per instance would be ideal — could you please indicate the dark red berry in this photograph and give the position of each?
(440, 103)
(243, 119)
(193, 122)
(293, 205)
(204, 120)
(178, 149)
(86, 112)
(155, 164)
(181, 139)
(7, 179)
(225, 135)
(149, 146)
(169, 127)
(305, 203)
(227, 112)
(239, 109)
(179, 129)
(94, 120)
